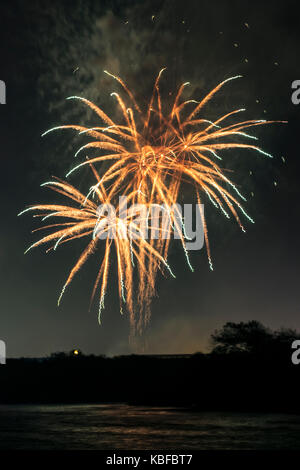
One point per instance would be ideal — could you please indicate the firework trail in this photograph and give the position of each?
(148, 157)
(83, 219)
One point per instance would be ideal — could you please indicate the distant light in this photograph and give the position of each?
(75, 352)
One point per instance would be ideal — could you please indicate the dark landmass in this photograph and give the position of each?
(249, 369)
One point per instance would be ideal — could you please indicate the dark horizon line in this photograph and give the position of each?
(104, 356)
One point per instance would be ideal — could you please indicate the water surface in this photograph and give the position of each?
(119, 426)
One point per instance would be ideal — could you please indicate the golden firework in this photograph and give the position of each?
(149, 155)
(118, 230)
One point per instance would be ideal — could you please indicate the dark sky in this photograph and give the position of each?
(50, 50)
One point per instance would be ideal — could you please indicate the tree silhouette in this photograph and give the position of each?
(248, 337)
(252, 337)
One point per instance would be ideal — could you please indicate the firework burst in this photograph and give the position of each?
(120, 233)
(149, 155)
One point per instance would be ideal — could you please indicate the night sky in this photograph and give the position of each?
(51, 50)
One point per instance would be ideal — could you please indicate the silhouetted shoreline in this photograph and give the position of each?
(249, 369)
(202, 382)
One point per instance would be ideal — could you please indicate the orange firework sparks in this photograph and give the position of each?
(119, 232)
(149, 155)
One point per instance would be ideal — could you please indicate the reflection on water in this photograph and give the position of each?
(119, 426)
